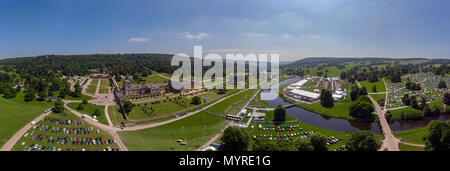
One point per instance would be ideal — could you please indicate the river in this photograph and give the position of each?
(338, 124)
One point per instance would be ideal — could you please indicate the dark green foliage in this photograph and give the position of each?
(127, 106)
(362, 109)
(80, 106)
(437, 137)
(59, 106)
(30, 94)
(97, 113)
(234, 139)
(319, 142)
(303, 144)
(196, 100)
(362, 141)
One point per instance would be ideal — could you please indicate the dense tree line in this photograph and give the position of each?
(124, 64)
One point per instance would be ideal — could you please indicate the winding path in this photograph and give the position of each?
(389, 141)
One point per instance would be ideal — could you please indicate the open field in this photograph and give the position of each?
(158, 108)
(54, 133)
(16, 113)
(152, 79)
(339, 110)
(233, 104)
(89, 109)
(379, 84)
(115, 116)
(404, 147)
(92, 87)
(195, 130)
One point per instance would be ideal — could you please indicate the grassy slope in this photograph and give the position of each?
(89, 109)
(16, 113)
(195, 130)
(413, 135)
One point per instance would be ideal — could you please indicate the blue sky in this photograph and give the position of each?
(293, 28)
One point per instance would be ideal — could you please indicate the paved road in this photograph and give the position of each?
(13, 140)
(389, 142)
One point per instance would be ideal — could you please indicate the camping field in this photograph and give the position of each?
(233, 104)
(16, 113)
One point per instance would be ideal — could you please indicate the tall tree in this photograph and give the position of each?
(234, 139)
(279, 114)
(437, 137)
(362, 141)
(319, 142)
(59, 106)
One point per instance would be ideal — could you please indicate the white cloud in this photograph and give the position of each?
(199, 36)
(286, 36)
(138, 39)
(256, 35)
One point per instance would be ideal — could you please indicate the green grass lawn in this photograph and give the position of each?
(65, 116)
(16, 113)
(160, 107)
(104, 86)
(412, 135)
(152, 79)
(233, 104)
(404, 147)
(379, 84)
(195, 130)
(89, 109)
(339, 110)
(92, 87)
(115, 116)
(396, 114)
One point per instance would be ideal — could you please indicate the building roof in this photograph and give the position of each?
(300, 83)
(306, 93)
